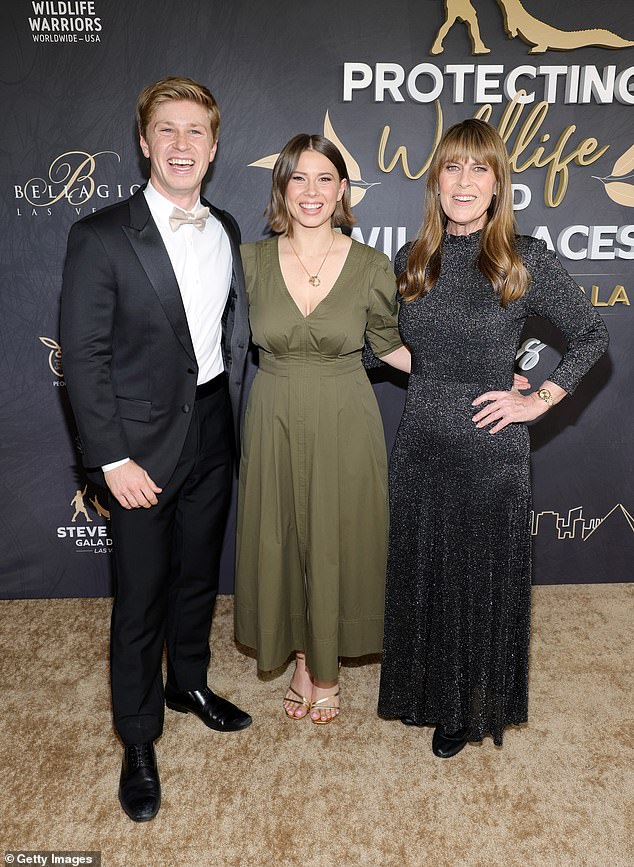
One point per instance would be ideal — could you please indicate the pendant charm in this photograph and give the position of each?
(313, 279)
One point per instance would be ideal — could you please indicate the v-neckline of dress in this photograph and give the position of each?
(287, 291)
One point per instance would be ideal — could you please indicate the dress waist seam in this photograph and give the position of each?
(320, 367)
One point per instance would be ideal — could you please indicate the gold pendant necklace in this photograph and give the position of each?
(313, 279)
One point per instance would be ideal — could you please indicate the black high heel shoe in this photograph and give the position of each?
(445, 746)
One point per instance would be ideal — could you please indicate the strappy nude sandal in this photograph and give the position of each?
(300, 701)
(319, 705)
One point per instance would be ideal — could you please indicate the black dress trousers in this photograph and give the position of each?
(166, 574)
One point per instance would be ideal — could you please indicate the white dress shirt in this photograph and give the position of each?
(202, 264)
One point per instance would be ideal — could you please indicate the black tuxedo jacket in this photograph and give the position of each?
(128, 359)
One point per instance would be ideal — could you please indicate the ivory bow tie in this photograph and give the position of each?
(196, 218)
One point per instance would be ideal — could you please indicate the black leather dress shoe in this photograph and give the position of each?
(408, 721)
(139, 786)
(445, 746)
(216, 712)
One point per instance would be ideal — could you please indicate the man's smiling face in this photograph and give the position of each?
(179, 144)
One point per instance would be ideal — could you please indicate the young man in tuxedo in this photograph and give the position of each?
(154, 332)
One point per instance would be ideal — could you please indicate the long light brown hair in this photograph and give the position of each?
(498, 258)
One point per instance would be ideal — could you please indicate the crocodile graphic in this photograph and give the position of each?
(542, 37)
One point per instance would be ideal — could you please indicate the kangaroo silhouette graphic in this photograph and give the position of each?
(99, 509)
(542, 37)
(518, 22)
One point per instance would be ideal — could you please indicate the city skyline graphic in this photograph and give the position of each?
(574, 526)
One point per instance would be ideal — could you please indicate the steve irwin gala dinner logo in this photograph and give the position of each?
(85, 529)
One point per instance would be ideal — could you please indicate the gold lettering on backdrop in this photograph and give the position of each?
(617, 296)
(556, 184)
(401, 152)
(556, 162)
(69, 176)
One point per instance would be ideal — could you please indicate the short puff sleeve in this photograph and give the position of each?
(382, 333)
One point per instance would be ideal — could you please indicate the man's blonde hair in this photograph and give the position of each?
(171, 89)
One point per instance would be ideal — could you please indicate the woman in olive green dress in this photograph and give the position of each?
(312, 507)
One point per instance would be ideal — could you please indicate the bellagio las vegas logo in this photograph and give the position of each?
(85, 531)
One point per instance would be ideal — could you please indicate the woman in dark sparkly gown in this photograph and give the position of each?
(457, 616)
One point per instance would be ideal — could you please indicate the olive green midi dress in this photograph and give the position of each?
(312, 501)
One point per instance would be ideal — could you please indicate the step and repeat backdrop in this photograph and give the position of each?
(382, 80)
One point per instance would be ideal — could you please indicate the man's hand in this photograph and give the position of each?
(131, 486)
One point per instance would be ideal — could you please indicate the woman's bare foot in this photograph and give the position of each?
(325, 701)
(298, 696)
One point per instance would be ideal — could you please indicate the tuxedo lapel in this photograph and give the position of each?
(147, 243)
(237, 296)
(235, 324)
(230, 230)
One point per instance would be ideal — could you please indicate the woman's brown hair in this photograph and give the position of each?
(286, 163)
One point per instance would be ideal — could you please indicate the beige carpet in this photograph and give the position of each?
(359, 792)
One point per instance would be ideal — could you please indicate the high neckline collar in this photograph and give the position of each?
(471, 238)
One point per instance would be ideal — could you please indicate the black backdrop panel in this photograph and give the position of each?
(374, 77)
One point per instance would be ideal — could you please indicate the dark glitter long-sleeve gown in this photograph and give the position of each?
(457, 615)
